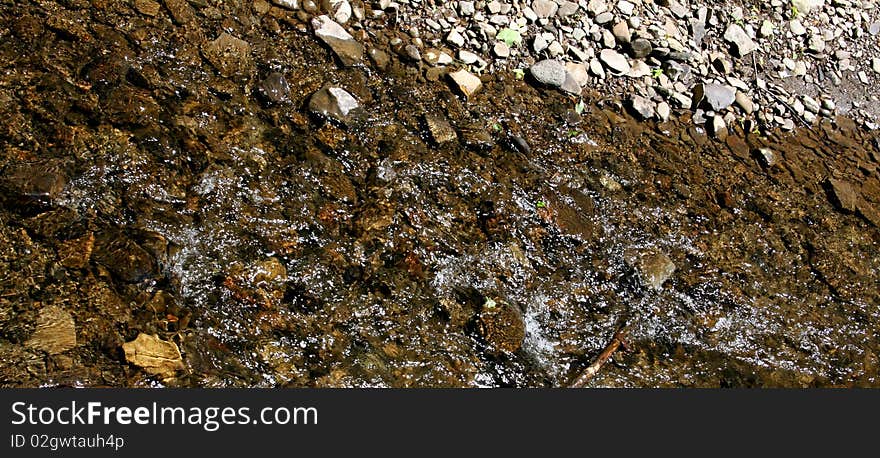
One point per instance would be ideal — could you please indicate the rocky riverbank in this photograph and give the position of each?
(202, 193)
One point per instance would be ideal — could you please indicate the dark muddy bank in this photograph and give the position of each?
(155, 183)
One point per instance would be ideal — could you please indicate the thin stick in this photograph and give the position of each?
(593, 369)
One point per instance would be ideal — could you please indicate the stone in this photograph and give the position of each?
(147, 7)
(596, 7)
(875, 64)
(544, 8)
(578, 73)
(440, 129)
(571, 85)
(741, 41)
(154, 355)
(642, 106)
(718, 127)
(334, 103)
(55, 332)
(466, 82)
(614, 61)
(229, 54)
(767, 156)
(640, 48)
(810, 104)
(604, 18)
(639, 69)
(807, 6)
(621, 32)
(466, 9)
(718, 96)
(766, 29)
(289, 4)
(454, 38)
(566, 8)
(796, 27)
(549, 72)
(380, 58)
(123, 257)
(339, 9)
(844, 194)
(654, 267)
(744, 102)
(816, 44)
(626, 8)
(346, 48)
(663, 111)
(539, 44)
(468, 57)
(274, 88)
(596, 68)
(180, 11)
(501, 50)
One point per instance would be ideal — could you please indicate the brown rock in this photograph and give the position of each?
(154, 355)
(229, 54)
(502, 326)
(147, 7)
(440, 129)
(180, 11)
(75, 254)
(56, 331)
(845, 196)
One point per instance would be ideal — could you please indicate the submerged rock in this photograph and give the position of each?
(346, 48)
(440, 129)
(229, 54)
(56, 331)
(466, 82)
(501, 325)
(334, 103)
(274, 88)
(654, 267)
(154, 355)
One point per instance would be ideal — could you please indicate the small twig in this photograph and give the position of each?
(593, 369)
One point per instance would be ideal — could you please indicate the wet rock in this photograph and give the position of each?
(844, 194)
(501, 325)
(411, 53)
(740, 40)
(380, 58)
(334, 103)
(230, 55)
(654, 267)
(274, 88)
(614, 61)
(549, 72)
(346, 48)
(180, 11)
(55, 333)
(76, 253)
(717, 96)
(642, 106)
(37, 182)
(767, 156)
(147, 7)
(440, 129)
(466, 82)
(123, 257)
(154, 355)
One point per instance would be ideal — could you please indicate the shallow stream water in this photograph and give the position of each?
(143, 192)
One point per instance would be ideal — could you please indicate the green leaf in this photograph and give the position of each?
(509, 36)
(540, 204)
(519, 73)
(579, 108)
